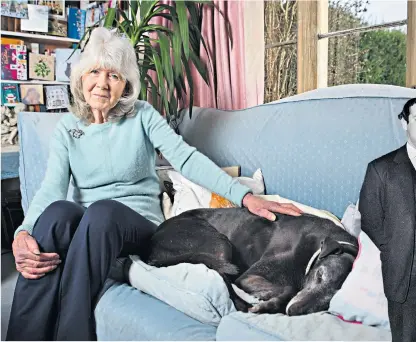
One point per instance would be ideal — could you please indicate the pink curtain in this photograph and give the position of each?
(239, 67)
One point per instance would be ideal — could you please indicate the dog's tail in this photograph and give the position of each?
(221, 266)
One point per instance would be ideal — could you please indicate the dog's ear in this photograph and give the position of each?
(328, 247)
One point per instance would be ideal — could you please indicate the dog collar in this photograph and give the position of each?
(316, 255)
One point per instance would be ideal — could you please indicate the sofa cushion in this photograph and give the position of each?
(361, 297)
(195, 290)
(35, 130)
(313, 148)
(126, 314)
(240, 326)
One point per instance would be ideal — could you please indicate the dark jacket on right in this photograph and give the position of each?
(388, 216)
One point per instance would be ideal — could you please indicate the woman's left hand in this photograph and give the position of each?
(266, 209)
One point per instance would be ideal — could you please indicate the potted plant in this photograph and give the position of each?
(168, 52)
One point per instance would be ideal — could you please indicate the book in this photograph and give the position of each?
(76, 23)
(13, 62)
(10, 93)
(64, 63)
(11, 41)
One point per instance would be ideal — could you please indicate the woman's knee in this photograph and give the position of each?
(58, 217)
(102, 215)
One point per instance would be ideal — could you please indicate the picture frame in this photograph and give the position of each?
(10, 93)
(56, 8)
(57, 97)
(14, 9)
(65, 59)
(41, 67)
(32, 94)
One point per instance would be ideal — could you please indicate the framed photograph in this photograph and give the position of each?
(32, 94)
(58, 27)
(14, 8)
(57, 97)
(41, 67)
(56, 8)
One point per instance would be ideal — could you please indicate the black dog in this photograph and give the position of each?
(293, 265)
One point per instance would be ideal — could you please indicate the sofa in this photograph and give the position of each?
(312, 148)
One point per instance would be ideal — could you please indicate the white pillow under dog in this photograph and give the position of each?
(361, 298)
(196, 290)
(189, 195)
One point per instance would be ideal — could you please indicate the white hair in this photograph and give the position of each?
(106, 49)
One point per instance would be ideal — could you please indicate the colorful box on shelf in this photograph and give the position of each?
(13, 62)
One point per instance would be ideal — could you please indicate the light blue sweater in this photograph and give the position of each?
(117, 161)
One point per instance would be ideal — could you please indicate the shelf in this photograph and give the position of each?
(10, 148)
(40, 38)
(35, 82)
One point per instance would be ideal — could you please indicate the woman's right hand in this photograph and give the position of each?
(30, 262)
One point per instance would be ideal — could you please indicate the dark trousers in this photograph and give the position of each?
(402, 315)
(59, 306)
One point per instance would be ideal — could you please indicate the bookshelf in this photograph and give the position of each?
(40, 38)
(28, 38)
(35, 82)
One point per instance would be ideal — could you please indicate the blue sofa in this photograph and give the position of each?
(312, 148)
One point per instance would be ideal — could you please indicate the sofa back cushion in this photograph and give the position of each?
(312, 148)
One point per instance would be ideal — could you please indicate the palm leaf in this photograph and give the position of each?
(183, 25)
(168, 51)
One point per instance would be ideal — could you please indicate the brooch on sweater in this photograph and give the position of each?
(76, 133)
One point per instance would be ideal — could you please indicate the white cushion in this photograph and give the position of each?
(361, 297)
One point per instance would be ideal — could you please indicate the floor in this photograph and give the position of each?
(8, 281)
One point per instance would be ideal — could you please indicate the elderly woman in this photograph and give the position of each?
(64, 250)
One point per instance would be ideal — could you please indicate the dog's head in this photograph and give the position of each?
(325, 276)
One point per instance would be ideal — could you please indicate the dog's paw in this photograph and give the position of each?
(273, 305)
(263, 295)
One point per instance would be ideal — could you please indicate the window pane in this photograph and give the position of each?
(377, 57)
(280, 20)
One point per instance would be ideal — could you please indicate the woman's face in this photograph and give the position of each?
(102, 88)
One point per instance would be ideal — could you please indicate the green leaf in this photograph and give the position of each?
(177, 47)
(109, 18)
(134, 5)
(160, 78)
(146, 7)
(200, 66)
(190, 83)
(183, 25)
(166, 62)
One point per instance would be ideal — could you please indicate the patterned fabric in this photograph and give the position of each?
(239, 326)
(311, 148)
